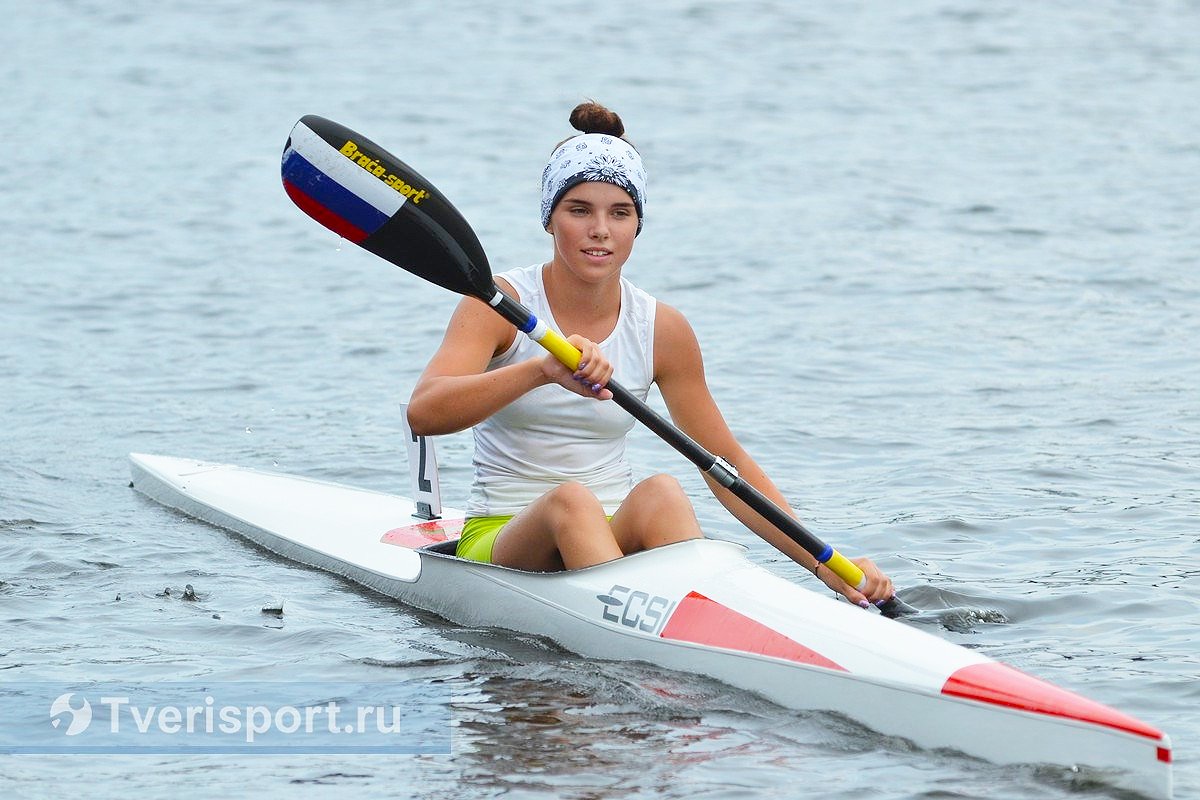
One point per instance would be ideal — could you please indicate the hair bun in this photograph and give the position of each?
(591, 117)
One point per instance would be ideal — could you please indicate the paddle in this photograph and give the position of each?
(361, 192)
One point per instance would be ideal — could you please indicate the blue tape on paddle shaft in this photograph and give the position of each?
(826, 554)
(530, 325)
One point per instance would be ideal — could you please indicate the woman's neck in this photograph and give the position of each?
(589, 309)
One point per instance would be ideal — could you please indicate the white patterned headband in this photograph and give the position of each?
(593, 157)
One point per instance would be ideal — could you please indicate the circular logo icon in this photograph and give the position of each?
(80, 717)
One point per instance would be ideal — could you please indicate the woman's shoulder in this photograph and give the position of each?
(675, 343)
(524, 282)
(670, 321)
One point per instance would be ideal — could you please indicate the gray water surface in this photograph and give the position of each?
(941, 257)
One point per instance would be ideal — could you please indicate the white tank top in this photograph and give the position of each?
(550, 435)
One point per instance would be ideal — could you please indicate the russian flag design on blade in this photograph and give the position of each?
(334, 190)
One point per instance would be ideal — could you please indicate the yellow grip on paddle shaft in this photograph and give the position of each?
(559, 347)
(847, 570)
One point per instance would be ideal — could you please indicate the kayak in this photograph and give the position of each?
(698, 607)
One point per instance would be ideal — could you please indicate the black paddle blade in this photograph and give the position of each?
(897, 608)
(363, 193)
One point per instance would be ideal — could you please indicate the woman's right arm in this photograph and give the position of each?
(455, 391)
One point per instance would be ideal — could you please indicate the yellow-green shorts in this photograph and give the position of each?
(478, 536)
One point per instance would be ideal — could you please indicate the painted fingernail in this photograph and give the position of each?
(864, 603)
(582, 366)
(596, 387)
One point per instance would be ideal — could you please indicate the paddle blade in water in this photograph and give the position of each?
(363, 193)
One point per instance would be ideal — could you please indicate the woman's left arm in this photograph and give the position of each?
(679, 373)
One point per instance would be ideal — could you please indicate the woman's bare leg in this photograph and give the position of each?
(655, 513)
(565, 527)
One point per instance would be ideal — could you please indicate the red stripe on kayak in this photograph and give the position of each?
(703, 621)
(1002, 685)
(424, 533)
(1164, 755)
(323, 215)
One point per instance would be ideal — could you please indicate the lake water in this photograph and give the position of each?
(941, 256)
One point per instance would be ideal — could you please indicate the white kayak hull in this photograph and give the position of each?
(701, 607)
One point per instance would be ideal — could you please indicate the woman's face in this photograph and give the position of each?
(594, 225)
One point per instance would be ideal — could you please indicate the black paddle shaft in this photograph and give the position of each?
(716, 468)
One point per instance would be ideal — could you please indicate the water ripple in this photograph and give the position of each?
(946, 293)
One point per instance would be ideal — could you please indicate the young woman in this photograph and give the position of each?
(552, 487)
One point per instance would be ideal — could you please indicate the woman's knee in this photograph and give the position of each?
(664, 489)
(570, 500)
(657, 512)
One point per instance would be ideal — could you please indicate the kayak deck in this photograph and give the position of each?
(699, 606)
